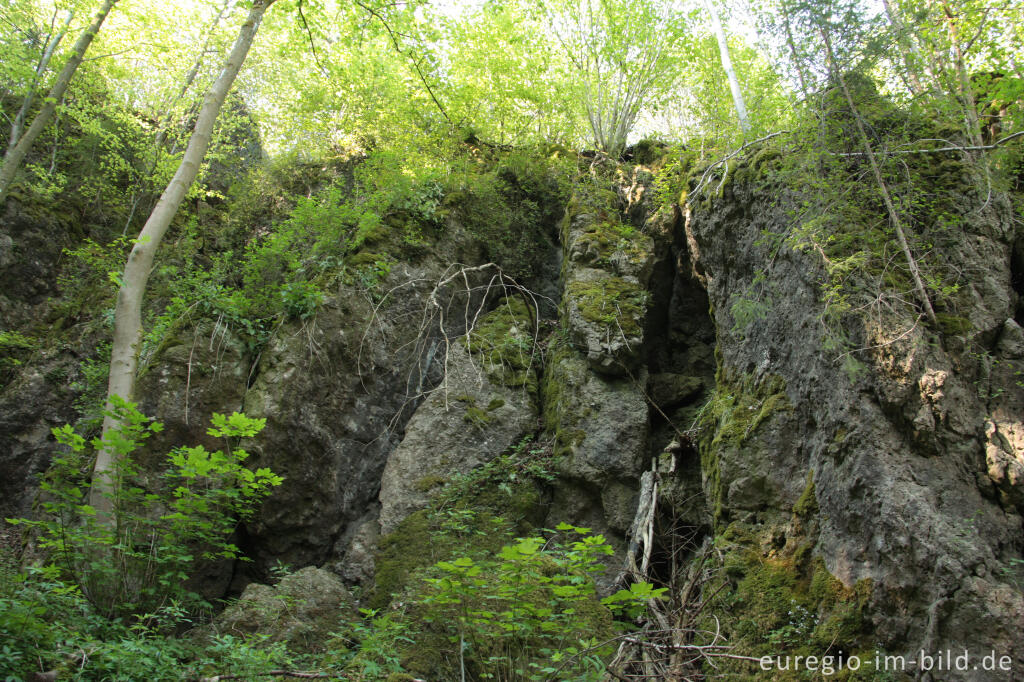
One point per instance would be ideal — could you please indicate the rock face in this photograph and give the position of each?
(868, 468)
(336, 394)
(910, 451)
(471, 418)
(31, 405)
(606, 268)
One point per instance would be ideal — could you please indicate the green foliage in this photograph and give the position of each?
(91, 276)
(91, 388)
(15, 348)
(135, 559)
(46, 624)
(470, 586)
(480, 508)
(301, 299)
(522, 614)
(510, 201)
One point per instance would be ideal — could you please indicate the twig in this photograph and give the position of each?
(271, 673)
(415, 62)
(716, 650)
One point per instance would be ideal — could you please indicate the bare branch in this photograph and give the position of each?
(951, 148)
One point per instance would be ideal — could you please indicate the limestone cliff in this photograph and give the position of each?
(864, 471)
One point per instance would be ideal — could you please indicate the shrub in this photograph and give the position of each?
(530, 612)
(134, 560)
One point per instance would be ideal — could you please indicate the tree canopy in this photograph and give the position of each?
(327, 75)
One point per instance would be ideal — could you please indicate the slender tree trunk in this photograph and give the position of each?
(797, 62)
(17, 153)
(146, 181)
(883, 189)
(124, 356)
(734, 83)
(963, 79)
(44, 63)
(907, 49)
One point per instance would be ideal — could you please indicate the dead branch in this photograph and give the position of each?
(459, 292)
(270, 673)
(951, 148)
(705, 176)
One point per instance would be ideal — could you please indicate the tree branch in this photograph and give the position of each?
(309, 34)
(415, 62)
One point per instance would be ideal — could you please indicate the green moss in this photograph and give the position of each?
(613, 302)
(808, 502)
(953, 325)
(400, 553)
(559, 416)
(785, 602)
(367, 258)
(763, 157)
(737, 408)
(603, 239)
(476, 416)
(15, 348)
(503, 339)
(428, 483)
(495, 404)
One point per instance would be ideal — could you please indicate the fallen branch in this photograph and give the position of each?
(716, 650)
(951, 148)
(270, 673)
(282, 673)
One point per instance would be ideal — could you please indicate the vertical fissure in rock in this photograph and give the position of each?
(1017, 279)
(681, 341)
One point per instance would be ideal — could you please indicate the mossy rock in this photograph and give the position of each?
(807, 505)
(488, 512)
(504, 340)
(618, 306)
(785, 603)
(953, 325)
(737, 408)
(433, 653)
(614, 246)
(364, 258)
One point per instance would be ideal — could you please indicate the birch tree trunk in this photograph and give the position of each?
(730, 72)
(17, 153)
(909, 52)
(124, 355)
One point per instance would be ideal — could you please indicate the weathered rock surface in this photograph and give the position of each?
(605, 273)
(914, 455)
(333, 395)
(200, 370)
(302, 610)
(472, 417)
(35, 402)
